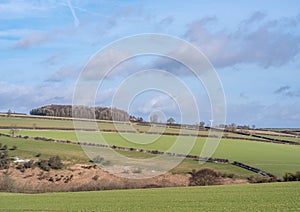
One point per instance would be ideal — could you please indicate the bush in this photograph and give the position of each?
(4, 160)
(203, 177)
(38, 155)
(29, 164)
(43, 164)
(4, 147)
(261, 179)
(297, 175)
(97, 159)
(13, 148)
(21, 168)
(95, 177)
(227, 175)
(291, 176)
(55, 162)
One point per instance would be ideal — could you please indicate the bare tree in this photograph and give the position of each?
(154, 118)
(170, 120)
(201, 124)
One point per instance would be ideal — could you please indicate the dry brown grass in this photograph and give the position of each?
(81, 178)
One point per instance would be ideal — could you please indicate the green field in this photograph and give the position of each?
(274, 158)
(47, 123)
(73, 154)
(254, 197)
(286, 138)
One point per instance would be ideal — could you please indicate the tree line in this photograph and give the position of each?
(102, 113)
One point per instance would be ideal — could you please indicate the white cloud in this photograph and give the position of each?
(259, 41)
(65, 73)
(34, 39)
(159, 103)
(22, 98)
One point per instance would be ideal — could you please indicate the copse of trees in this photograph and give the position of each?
(102, 113)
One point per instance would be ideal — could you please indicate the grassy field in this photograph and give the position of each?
(74, 154)
(274, 158)
(46, 123)
(286, 138)
(254, 197)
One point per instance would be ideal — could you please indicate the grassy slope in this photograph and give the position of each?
(254, 197)
(74, 154)
(274, 158)
(284, 138)
(103, 125)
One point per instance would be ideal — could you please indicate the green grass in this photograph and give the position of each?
(48, 123)
(286, 138)
(254, 197)
(34, 122)
(274, 158)
(28, 149)
(72, 154)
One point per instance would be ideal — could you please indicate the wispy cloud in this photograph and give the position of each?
(282, 89)
(65, 73)
(54, 58)
(34, 39)
(287, 91)
(22, 98)
(165, 22)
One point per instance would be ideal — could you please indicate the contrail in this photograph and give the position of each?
(76, 21)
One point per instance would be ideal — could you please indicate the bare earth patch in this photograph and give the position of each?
(89, 177)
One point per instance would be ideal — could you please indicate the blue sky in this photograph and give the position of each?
(254, 48)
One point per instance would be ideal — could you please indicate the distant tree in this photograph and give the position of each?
(13, 131)
(203, 177)
(201, 124)
(154, 118)
(55, 162)
(102, 113)
(170, 120)
(253, 127)
(9, 113)
(232, 127)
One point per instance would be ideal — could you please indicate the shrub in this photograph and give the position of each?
(55, 162)
(297, 175)
(4, 160)
(203, 177)
(38, 155)
(226, 175)
(291, 176)
(261, 179)
(13, 148)
(97, 159)
(29, 164)
(21, 168)
(95, 177)
(4, 147)
(43, 164)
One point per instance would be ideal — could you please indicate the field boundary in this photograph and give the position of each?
(154, 152)
(138, 131)
(251, 168)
